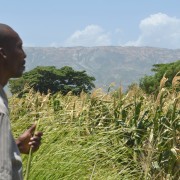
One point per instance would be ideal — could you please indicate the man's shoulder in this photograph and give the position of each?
(3, 108)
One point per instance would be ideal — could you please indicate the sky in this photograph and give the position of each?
(68, 23)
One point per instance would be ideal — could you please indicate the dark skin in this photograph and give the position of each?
(29, 139)
(12, 61)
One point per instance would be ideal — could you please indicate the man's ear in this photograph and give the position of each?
(2, 53)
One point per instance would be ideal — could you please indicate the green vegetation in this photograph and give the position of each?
(42, 79)
(150, 84)
(101, 136)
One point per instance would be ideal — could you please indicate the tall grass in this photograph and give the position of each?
(103, 135)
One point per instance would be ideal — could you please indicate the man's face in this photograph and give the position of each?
(15, 56)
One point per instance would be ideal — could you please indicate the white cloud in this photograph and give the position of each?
(159, 30)
(92, 35)
(118, 30)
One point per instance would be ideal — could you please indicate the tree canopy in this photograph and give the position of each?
(150, 84)
(45, 78)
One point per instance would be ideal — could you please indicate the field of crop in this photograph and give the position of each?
(102, 136)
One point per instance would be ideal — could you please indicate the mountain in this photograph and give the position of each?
(122, 65)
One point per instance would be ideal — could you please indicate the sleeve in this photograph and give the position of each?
(5, 148)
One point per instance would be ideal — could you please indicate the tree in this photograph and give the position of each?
(150, 84)
(45, 78)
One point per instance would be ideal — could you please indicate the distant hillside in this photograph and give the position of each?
(122, 65)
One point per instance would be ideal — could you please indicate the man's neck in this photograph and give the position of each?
(2, 83)
(3, 79)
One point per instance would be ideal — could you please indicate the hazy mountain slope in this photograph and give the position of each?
(122, 65)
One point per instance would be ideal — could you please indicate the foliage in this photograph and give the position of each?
(150, 83)
(47, 78)
(103, 136)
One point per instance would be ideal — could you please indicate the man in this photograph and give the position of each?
(12, 61)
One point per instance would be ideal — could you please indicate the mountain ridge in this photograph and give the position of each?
(122, 65)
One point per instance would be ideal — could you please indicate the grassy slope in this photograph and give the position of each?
(102, 136)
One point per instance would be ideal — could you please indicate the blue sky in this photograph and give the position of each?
(67, 23)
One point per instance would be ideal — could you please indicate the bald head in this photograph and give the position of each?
(7, 34)
(12, 55)
(4, 26)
